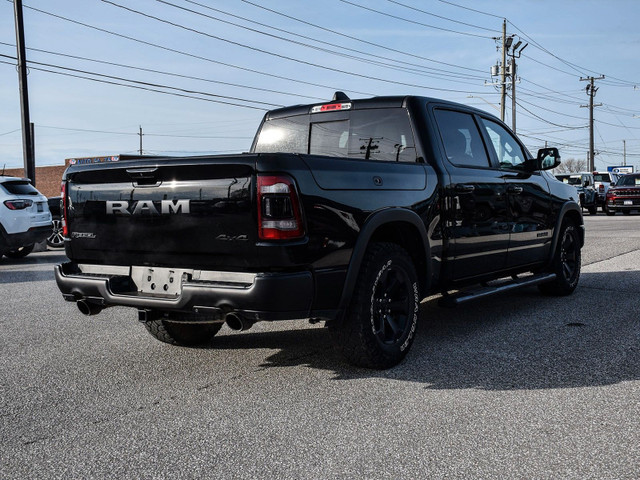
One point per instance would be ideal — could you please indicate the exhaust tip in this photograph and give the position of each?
(88, 308)
(237, 323)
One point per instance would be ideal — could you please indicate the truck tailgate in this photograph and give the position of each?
(192, 213)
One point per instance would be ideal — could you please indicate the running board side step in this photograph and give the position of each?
(453, 300)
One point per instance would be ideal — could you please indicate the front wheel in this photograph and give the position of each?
(566, 262)
(380, 323)
(185, 334)
(19, 252)
(56, 239)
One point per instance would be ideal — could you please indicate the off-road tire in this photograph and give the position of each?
(183, 334)
(593, 209)
(566, 262)
(19, 252)
(380, 323)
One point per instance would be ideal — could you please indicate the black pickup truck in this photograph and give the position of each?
(349, 212)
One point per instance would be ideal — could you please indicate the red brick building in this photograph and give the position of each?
(47, 178)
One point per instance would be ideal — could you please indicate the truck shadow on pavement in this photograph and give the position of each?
(522, 340)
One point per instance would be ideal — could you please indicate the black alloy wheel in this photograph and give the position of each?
(569, 255)
(391, 305)
(380, 323)
(566, 262)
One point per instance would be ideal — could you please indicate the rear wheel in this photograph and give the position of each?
(380, 323)
(566, 262)
(185, 334)
(19, 252)
(593, 209)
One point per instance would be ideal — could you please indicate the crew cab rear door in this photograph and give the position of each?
(475, 197)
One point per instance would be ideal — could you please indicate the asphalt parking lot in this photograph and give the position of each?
(515, 386)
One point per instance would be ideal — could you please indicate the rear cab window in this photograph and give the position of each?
(382, 134)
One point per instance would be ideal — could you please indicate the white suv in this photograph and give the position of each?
(603, 181)
(25, 218)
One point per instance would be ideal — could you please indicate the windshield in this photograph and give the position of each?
(629, 181)
(371, 134)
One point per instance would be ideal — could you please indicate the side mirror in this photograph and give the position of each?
(547, 158)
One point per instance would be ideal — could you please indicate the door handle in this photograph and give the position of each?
(464, 188)
(515, 189)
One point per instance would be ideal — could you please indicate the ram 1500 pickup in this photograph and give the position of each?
(350, 211)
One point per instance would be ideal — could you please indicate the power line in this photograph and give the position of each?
(146, 134)
(547, 121)
(138, 87)
(471, 9)
(427, 71)
(177, 75)
(198, 57)
(411, 21)
(344, 35)
(149, 84)
(415, 9)
(285, 57)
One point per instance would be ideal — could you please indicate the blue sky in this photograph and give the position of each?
(433, 48)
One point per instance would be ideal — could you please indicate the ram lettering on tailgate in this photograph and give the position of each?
(167, 207)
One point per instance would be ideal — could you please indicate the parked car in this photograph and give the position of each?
(624, 196)
(56, 238)
(584, 183)
(603, 181)
(24, 217)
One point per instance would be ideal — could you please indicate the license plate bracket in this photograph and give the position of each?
(159, 281)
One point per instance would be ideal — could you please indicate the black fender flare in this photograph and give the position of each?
(567, 207)
(375, 221)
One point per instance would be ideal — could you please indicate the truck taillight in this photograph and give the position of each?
(63, 194)
(601, 188)
(279, 212)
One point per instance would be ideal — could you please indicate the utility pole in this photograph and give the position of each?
(140, 133)
(591, 91)
(27, 138)
(503, 72)
(624, 153)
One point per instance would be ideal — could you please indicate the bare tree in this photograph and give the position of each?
(571, 165)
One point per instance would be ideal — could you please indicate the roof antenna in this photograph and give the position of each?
(340, 97)
(3, 167)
